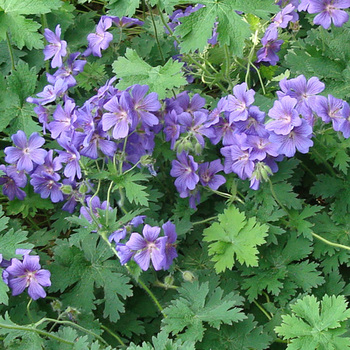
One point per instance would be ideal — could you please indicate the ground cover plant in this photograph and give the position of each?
(174, 174)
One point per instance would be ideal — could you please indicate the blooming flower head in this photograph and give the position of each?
(170, 250)
(47, 186)
(28, 273)
(207, 174)
(329, 11)
(238, 104)
(26, 151)
(101, 38)
(11, 182)
(185, 170)
(268, 53)
(150, 247)
(57, 48)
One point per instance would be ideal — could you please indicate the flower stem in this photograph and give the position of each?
(262, 310)
(204, 221)
(28, 310)
(113, 335)
(31, 329)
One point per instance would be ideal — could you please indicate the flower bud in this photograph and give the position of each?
(83, 188)
(56, 305)
(188, 276)
(66, 189)
(168, 281)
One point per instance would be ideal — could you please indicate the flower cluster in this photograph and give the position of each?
(25, 273)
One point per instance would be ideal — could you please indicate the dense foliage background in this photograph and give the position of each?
(174, 175)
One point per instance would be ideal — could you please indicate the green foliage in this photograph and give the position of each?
(234, 236)
(87, 269)
(283, 269)
(24, 31)
(196, 29)
(18, 339)
(132, 69)
(316, 325)
(198, 303)
(134, 191)
(13, 93)
(94, 75)
(122, 8)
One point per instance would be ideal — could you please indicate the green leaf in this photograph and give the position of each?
(86, 270)
(316, 325)
(122, 8)
(234, 236)
(233, 30)
(197, 303)
(31, 6)
(134, 191)
(94, 75)
(4, 289)
(297, 220)
(22, 81)
(245, 335)
(132, 69)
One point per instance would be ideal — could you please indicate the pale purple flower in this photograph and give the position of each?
(225, 131)
(26, 152)
(345, 128)
(285, 116)
(207, 174)
(298, 139)
(254, 124)
(239, 102)
(28, 273)
(170, 250)
(329, 11)
(71, 157)
(47, 186)
(172, 128)
(64, 119)
(261, 147)
(57, 48)
(120, 234)
(145, 105)
(268, 53)
(148, 248)
(101, 38)
(184, 169)
(93, 203)
(329, 109)
(121, 117)
(12, 181)
(238, 159)
(126, 22)
(50, 166)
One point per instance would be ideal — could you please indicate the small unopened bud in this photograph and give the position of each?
(56, 305)
(83, 188)
(188, 276)
(169, 281)
(66, 189)
(198, 148)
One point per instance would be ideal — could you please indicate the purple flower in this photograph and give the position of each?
(330, 109)
(329, 11)
(238, 159)
(121, 116)
(254, 124)
(268, 53)
(63, 119)
(297, 139)
(285, 116)
(172, 128)
(283, 17)
(46, 185)
(207, 175)
(185, 170)
(28, 273)
(238, 104)
(27, 152)
(126, 22)
(304, 91)
(120, 234)
(50, 166)
(143, 105)
(93, 203)
(11, 182)
(170, 250)
(149, 247)
(345, 128)
(50, 93)
(101, 38)
(56, 48)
